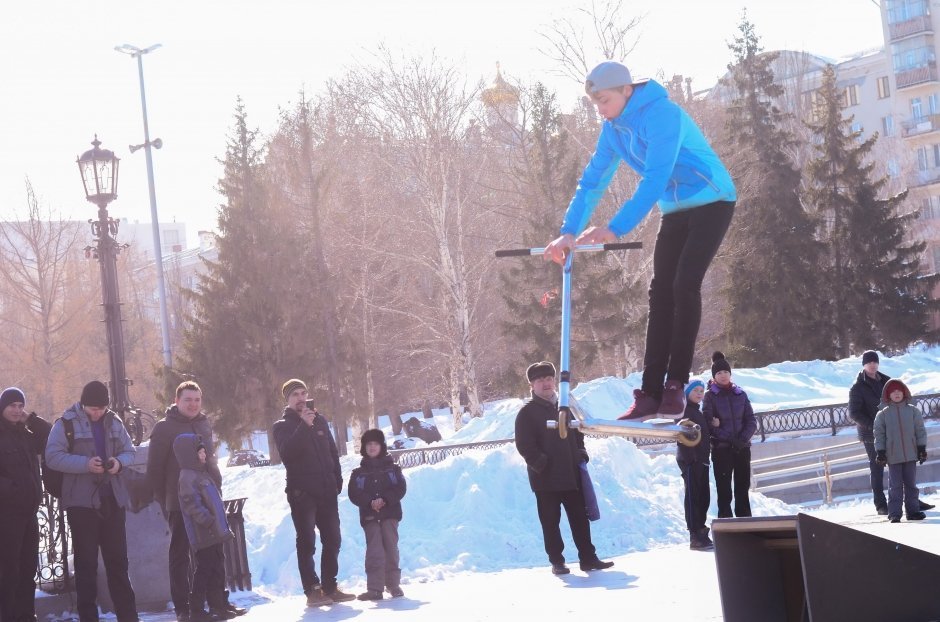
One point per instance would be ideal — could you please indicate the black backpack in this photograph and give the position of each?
(52, 479)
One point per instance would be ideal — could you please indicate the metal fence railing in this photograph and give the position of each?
(830, 418)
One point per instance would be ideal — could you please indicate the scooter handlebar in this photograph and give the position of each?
(613, 246)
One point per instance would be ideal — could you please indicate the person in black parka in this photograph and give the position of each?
(377, 487)
(554, 471)
(314, 481)
(694, 463)
(20, 496)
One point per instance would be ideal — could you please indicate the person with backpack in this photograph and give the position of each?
(95, 498)
(20, 496)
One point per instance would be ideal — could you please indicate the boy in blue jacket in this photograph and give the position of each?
(207, 529)
(695, 193)
(694, 463)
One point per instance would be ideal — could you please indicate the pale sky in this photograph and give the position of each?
(61, 81)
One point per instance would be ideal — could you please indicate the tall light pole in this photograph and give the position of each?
(99, 170)
(138, 53)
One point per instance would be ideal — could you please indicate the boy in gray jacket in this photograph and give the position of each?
(206, 527)
(900, 442)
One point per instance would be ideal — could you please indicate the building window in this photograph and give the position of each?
(936, 156)
(936, 258)
(887, 125)
(850, 96)
(930, 210)
(884, 88)
(922, 159)
(893, 169)
(917, 108)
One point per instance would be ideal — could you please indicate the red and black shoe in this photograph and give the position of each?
(643, 406)
(673, 402)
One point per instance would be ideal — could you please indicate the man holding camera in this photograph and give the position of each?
(95, 498)
(314, 481)
(185, 416)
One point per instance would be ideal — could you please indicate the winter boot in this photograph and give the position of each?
(396, 592)
(560, 568)
(916, 516)
(338, 596)
(595, 564)
(924, 506)
(673, 402)
(219, 605)
(699, 540)
(196, 611)
(643, 406)
(316, 597)
(370, 595)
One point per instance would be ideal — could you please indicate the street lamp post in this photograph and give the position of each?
(138, 53)
(99, 170)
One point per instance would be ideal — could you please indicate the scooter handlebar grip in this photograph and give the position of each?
(514, 252)
(622, 246)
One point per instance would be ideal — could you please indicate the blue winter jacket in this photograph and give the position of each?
(662, 143)
(199, 499)
(732, 408)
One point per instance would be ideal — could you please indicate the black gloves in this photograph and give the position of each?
(737, 444)
(882, 458)
(921, 454)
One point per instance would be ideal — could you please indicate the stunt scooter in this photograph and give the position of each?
(570, 415)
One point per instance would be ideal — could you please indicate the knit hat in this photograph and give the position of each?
(608, 75)
(538, 370)
(719, 363)
(870, 356)
(95, 394)
(11, 396)
(291, 385)
(372, 436)
(692, 385)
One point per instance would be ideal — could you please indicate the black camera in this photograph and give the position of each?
(310, 404)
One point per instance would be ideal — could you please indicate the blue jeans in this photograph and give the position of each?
(309, 514)
(902, 484)
(685, 246)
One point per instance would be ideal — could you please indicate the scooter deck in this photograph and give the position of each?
(685, 431)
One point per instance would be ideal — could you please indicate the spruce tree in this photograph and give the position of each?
(240, 344)
(878, 297)
(774, 289)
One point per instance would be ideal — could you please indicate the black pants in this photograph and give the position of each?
(732, 465)
(19, 551)
(877, 476)
(685, 246)
(180, 561)
(549, 504)
(697, 495)
(309, 515)
(102, 529)
(209, 578)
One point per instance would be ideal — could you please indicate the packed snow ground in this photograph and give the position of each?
(471, 546)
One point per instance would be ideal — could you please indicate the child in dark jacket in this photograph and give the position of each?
(377, 486)
(900, 442)
(729, 413)
(207, 529)
(693, 462)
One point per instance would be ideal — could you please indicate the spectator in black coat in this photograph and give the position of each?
(554, 471)
(694, 463)
(20, 496)
(314, 481)
(728, 411)
(864, 404)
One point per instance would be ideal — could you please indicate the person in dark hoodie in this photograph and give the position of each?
(314, 482)
(95, 498)
(554, 467)
(729, 413)
(20, 496)
(185, 416)
(900, 443)
(693, 462)
(377, 487)
(206, 527)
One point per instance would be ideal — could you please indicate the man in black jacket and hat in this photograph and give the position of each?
(554, 471)
(864, 401)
